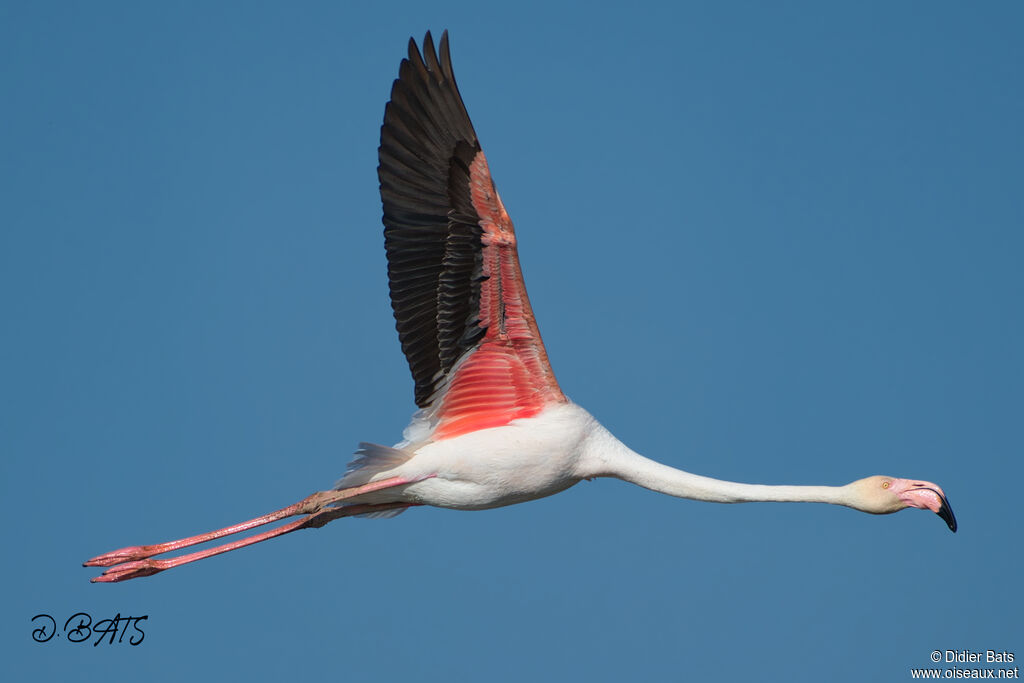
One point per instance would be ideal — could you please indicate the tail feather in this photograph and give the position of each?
(370, 460)
(383, 514)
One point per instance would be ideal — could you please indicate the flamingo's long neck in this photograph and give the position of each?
(606, 456)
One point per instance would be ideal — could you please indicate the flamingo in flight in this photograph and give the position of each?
(493, 426)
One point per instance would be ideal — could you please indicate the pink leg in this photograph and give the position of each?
(313, 505)
(140, 568)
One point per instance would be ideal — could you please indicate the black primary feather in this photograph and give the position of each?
(431, 229)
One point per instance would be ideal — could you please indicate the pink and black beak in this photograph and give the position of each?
(927, 496)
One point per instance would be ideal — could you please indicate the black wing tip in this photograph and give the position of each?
(425, 134)
(428, 38)
(428, 46)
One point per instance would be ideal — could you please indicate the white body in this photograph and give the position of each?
(526, 459)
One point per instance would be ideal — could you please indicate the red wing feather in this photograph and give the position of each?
(508, 375)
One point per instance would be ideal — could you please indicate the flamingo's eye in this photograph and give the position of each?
(885, 484)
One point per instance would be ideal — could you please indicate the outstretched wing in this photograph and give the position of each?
(460, 304)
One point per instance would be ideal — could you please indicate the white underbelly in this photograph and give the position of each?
(527, 459)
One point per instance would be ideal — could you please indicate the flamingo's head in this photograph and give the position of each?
(881, 495)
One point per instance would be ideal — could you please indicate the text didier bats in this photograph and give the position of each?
(986, 656)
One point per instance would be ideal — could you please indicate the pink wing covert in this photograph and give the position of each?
(461, 309)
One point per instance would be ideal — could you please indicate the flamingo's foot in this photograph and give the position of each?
(129, 554)
(129, 570)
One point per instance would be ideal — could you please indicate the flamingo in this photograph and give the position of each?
(493, 427)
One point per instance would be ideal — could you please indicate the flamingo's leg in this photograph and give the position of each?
(321, 507)
(148, 567)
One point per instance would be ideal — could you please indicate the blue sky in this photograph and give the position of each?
(775, 243)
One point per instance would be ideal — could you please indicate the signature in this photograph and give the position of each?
(80, 628)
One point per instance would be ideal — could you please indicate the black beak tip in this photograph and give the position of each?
(946, 513)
